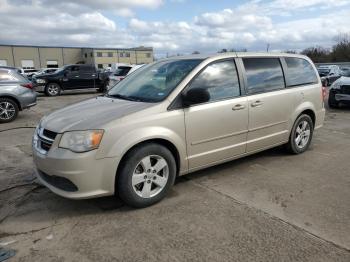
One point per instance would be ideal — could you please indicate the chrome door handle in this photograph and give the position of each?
(76, 76)
(238, 107)
(93, 75)
(257, 103)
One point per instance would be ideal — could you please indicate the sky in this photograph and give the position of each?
(175, 26)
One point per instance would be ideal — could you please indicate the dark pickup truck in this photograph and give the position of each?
(71, 77)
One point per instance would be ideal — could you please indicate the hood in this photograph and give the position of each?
(91, 114)
(344, 80)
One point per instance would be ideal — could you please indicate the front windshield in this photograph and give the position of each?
(61, 69)
(154, 82)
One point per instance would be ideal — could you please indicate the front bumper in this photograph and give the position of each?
(40, 88)
(75, 175)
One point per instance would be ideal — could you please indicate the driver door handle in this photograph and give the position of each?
(238, 107)
(256, 103)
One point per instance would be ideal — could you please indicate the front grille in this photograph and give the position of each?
(45, 139)
(59, 182)
(345, 89)
(49, 134)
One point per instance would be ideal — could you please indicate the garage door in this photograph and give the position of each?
(3, 62)
(51, 64)
(27, 64)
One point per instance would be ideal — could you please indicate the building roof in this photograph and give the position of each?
(140, 48)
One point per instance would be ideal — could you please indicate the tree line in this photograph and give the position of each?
(340, 51)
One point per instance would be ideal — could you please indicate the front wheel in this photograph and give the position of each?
(8, 110)
(52, 89)
(146, 175)
(301, 135)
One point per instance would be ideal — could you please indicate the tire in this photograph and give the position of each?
(138, 182)
(8, 110)
(53, 89)
(299, 133)
(331, 101)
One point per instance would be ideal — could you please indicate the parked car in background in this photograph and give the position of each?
(45, 71)
(71, 77)
(329, 73)
(339, 91)
(16, 94)
(176, 116)
(345, 71)
(30, 72)
(120, 73)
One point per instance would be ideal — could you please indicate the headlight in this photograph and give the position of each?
(40, 81)
(335, 86)
(81, 141)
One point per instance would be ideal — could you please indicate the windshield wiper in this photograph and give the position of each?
(129, 98)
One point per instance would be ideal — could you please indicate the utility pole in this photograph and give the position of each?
(267, 47)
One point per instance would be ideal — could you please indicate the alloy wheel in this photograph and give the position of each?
(302, 134)
(150, 176)
(7, 111)
(53, 89)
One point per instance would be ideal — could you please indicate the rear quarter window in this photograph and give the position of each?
(299, 72)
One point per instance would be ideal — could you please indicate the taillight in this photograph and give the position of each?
(324, 92)
(28, 85)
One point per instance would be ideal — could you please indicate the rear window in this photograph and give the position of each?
(299, 72)
(263, 74)
(11, 76)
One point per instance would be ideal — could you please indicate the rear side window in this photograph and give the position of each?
(263, 74)
(7, 76)
(299, 72)
(220, 79)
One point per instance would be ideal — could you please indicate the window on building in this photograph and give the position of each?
(148, 55)
(27, 64)
(109, 65)
(127, 54)
(85, 55)
(90, 54)
(51, 64)
(121, 54)
(3, 62)
(99, 54)
(110, 54)
(220, 79)
(100, 66)
(300, 72)
(263, 74)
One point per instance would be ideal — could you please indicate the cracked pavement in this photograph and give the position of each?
(267, 207)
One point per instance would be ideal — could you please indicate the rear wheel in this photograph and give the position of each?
(301, 135)
(146, 175)
(8, 110)
(52, 89)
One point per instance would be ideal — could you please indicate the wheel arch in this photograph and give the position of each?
(161, 141)
(14, 99)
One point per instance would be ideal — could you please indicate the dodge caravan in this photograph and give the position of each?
(175, 116)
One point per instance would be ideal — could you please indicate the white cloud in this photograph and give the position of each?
(251, 25)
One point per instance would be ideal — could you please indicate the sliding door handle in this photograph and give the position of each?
(238, 107)
(256, 103)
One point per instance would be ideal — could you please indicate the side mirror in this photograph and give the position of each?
(195, 96)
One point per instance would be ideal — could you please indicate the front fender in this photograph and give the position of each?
(132, 138)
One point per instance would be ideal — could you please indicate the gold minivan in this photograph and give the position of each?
(175, 116)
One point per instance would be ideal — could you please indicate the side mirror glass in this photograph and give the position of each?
(195, 96)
